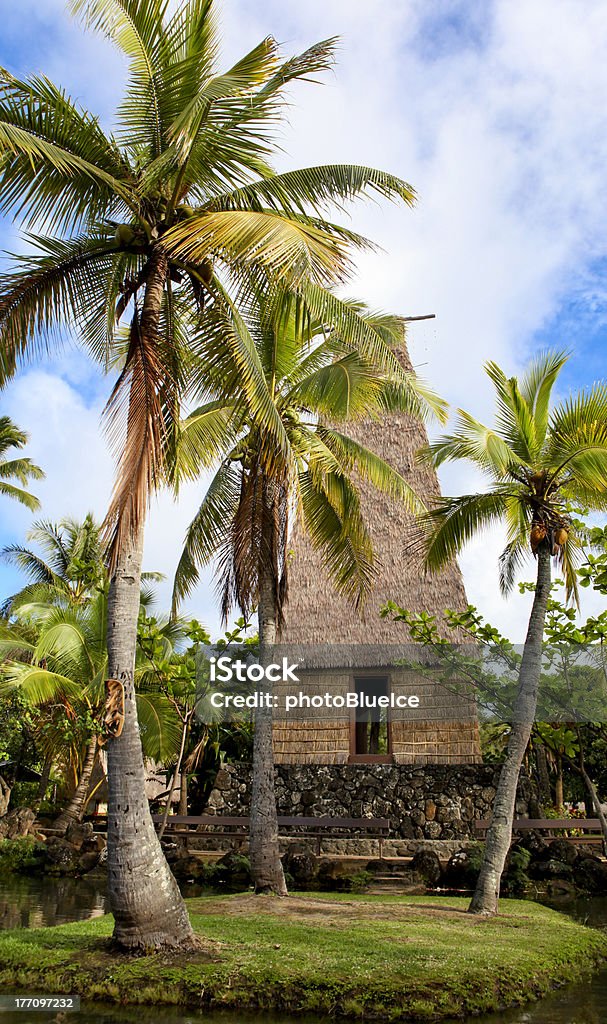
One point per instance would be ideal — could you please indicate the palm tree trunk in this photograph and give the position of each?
(264, 851)
(559, 794)
(499, 835)
(5, 796)
(594, 796)
(74, 812)
(167, 809)
(545, 789)
(43, 784)
(183, 794)
(148, 909)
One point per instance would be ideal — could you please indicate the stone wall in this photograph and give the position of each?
(433, 802)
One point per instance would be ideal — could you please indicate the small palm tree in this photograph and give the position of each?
(56, 653)
(21, 470)
(259, 491)
(65, 565)
(154, 225)
(537, 460)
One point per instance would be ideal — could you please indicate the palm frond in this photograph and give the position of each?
(21, 469)
(510, 562)
(332, 518)
(455, 521)
(288, 248)
(537, 386)
(315, 188)
(209, 530)
(570, 557)
(247, 74)
(20, 495)
(58, 167)
(39, 686)
(229, 352)
(371, 467)
(347, 388)
(207, 434)
(474, 442)
(136, 424)
(346, 322)
(137, 30)
(48, 292)
(159, 725)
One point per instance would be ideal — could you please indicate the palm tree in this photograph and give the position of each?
(66, 564)
(154, 224)
(55, 657)
(247, 515)
(536, 459)
(19, 469)
(63, 572)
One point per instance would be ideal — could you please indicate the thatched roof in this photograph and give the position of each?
(315, 614)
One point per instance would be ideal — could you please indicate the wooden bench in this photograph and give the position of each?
(306, 827)
(591, 826)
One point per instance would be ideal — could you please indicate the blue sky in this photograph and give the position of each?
(495, 110)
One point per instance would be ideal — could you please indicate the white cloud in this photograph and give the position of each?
(494, 112)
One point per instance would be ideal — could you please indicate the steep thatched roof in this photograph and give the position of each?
(315, 614)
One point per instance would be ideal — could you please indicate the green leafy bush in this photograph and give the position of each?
(20, 855)
(516, 879)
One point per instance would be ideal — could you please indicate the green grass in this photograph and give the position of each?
(385, 958)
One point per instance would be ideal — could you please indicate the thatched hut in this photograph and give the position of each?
(347, 652)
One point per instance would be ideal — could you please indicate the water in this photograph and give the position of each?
(36, 902)
(585, 1003)
(40, 902)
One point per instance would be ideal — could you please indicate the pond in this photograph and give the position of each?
(35, 902)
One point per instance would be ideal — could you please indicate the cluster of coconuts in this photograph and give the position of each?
(137, 234)
(135, 237)
(555, 535)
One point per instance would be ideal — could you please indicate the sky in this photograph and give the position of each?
(494, 110)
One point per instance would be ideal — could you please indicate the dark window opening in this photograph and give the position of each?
(371, 724)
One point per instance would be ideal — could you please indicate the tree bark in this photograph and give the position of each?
(5, 796)
(559, 794)
(543, 777)
(183, 794)
(499, 835)
(148, 909)
(598, 810)
(43, 784)
(264, 850)
(594, 796)
(167, 809)
(74, 812)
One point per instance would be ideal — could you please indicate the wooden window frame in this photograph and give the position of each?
(353, 757)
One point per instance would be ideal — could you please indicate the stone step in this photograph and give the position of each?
(399, 878)
(394, 888)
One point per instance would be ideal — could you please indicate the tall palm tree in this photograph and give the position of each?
(314, 378)
(153, 224)
(19, 469)
(536, 459)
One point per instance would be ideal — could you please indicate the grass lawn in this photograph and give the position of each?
(388, 958)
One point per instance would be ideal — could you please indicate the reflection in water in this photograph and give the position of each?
(36, 902)
(92, 1013)
(576, 1004)
(585, 1003)
(40, 902)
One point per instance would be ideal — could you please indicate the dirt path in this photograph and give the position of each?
(321, 911)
